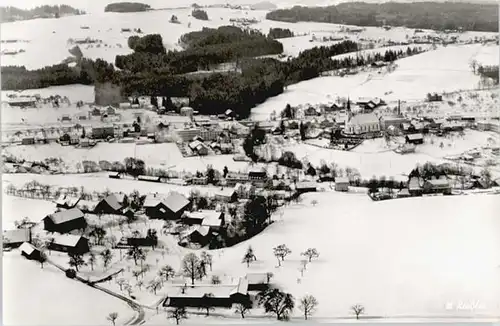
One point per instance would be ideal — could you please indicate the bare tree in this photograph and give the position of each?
(106, 256)
(243, 308)
(76, 260)
(310, 253)
(308, 305)
(167, 271)
(42, 258)
(112, 317)
(190, 266)
(207, 259)
(215, 279)
(248, 257)
(314, 202)
(281, 252)
(154, 285)
(121, 282)
(358, 310)
(178, 314)
(207, 303)
(269, 276)
(92, 259)
(139, 284)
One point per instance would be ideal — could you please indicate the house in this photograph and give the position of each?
(244, 191)
(200, 181)
(95, 112)
(85, 142)
(103, 132)
(305, 186)
(65, 221)
(200, 235)
(149, 178)
(74, 139)
(311, 112)
(15, 238)
(437, 186)
(220, 296)
(28, 141)
(403, 193)
(415, 186)
(169, 208)
(233, 178)
(362, 123)
(213, 219)
(180, 101)
(187, 111)
(257, 175)
(333, 108)
(109, 111)
(257, 281)
(70, 243)
(67, 202)
(112, 204)
(396, 121)
(22, 102)
(482, 183)
(415, 139)
(225, 195)
(341, 184)
(29, 251)
(370, 104)
(230, 113)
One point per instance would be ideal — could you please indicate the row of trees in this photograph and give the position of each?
(10, 14)
(428, 15)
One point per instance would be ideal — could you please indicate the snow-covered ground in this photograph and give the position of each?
(74, 92)
(381, 50)
(35, 296)
(445, 69)
(17, 208)
(431, 251)
(48, 38)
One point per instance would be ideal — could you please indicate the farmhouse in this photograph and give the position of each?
(67, 202)
(187, 111)
(29, 251)
(305, 186)
(200, 235)
(112, 204)
(28, 141)
(103, 132)
(415, 139)
(362, 123)
(225, 195)
(70, 243)
(257, 281)
(65, 221)
(396, 121)
(437, 186)
(415, 186)
(341, 184)
(233, 178)
(212, 219)
(244, 191)
(14, 238)
(311, 112)
(222, 296)
(170, 208)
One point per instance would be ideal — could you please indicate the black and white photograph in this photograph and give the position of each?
(168, 162)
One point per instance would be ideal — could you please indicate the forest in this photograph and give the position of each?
(10, 14)
(427, 15)
(275, 33)
(126, 7)
(202, 49)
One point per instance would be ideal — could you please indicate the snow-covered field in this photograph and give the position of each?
(17, 208)
(35, 296)
(381, 50)
(48, 38)
(445, 69)
(74, 92)
(407, 258)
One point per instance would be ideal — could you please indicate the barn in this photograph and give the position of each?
(29, 251)
(112, 204)
(257, 281)
(170, 208)
(341, 184)
(65, 221)
(416, 139)
(15, 238)
(70, 243)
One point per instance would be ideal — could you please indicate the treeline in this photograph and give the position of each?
(489, 72)
(275, 33)
(86, 72)
(126, 7)
(10, 14)
(362, 60)
(199, 14)
(202, 49)
(427, 15)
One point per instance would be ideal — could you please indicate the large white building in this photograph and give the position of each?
(362, 123)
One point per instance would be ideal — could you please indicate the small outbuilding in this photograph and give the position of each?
(70, 243)
(341, 184)
(29, 251)
(416, 139)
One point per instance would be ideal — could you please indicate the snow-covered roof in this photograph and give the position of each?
(112, 201)
(175, 201)
(226, 192)
(363, 119)
(202, 229)
(256, 278)
(16, 236)
(241, 288)
(209, 217)
(342, 180)
(218, 291)
(68, 240)
(415, 136)
(439, 183)
(305, 184)
(27, 248)
(195, 144)
(152, 200)
(66, 216)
